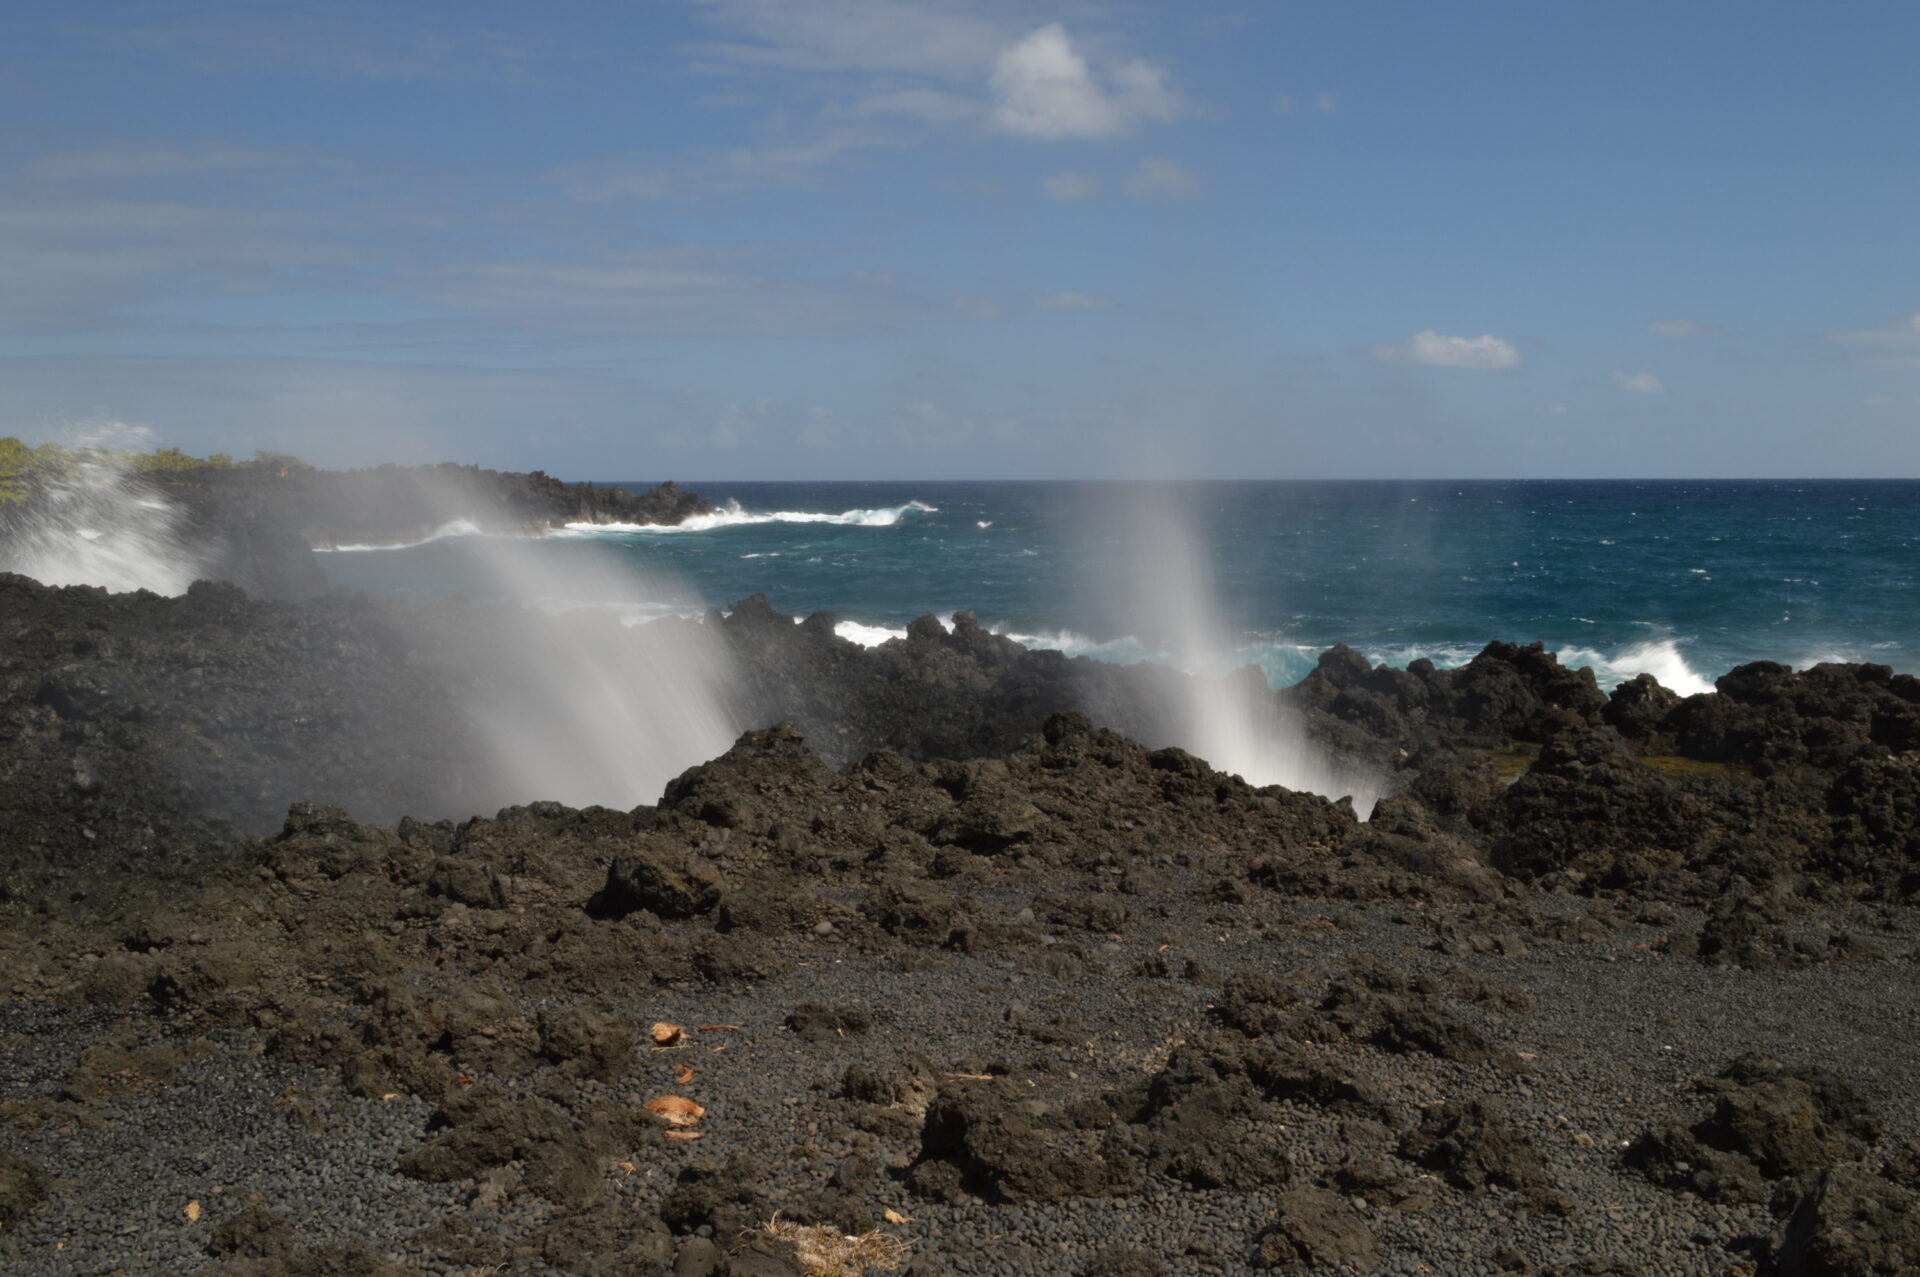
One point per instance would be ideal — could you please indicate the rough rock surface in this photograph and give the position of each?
(1067, 1004)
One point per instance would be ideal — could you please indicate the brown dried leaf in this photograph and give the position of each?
(665, 1034)
(676, 1111)
(684, 1135)
(682, 1074)
(893, 1216)
(192, 1211)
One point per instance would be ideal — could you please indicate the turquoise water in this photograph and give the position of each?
(1683, 578)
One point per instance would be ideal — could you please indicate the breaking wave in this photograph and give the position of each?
(1285, 664)
(732, 516)
(93, 521)
(1661, 658)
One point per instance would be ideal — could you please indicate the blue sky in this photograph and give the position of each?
(924, 238)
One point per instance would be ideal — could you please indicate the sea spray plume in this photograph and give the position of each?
(82, 515)
(573, 702)
(1153, 578)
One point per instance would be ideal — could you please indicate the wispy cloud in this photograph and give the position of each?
(681, 291)
(946, 40)
(797, 162)
(1156, 178)
(1319, 104)
(1071, 300)
(1680, 328)
(1430, 349)
(1071, 186)
(1043, 88)
(342, 40)
(1895, 346)
(1640, 383)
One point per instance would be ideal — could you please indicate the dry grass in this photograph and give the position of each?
(824, 1251)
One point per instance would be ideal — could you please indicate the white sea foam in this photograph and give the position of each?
(93, 521)
(455, 528)
(867, 635)
(1661, 658)
(733, 516)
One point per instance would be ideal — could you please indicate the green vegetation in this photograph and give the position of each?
(19, 463)
(1676, 765)
(1511, 763)
(22, 466)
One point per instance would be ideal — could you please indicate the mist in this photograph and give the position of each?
(90, 520)
(587, 688)
(1150, 574)
(562, 675)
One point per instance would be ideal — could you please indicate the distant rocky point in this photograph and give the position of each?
(257, 523)
(393, 505)
(263, 522)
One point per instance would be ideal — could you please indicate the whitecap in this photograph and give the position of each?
(1661, 658)
(866, 635)
(733, 515)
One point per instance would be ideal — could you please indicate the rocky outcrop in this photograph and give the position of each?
(256, 526)
(134, 724)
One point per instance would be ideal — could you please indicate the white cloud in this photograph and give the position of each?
(1070, 300)
(1162, 179)
(1319, 103)
(1680, 328)
(1640, 383)
(1044, 89)
(1895, 346)
(796, 163)
(1071, 186)
(1430, 349)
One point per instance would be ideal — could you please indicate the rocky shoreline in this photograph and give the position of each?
(1608, 984)
(258, 526)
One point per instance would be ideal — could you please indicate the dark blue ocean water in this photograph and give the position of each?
(1683, 578)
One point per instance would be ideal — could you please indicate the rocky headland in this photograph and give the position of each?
(941, 957)
(262, 522)
(257, 524)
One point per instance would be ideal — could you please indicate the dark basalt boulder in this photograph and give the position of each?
(659, 877)
(1009, 1145)
(1639, 708)
(1845, 1222)
(1769, 1122)
(1316, 1229)
(1473, 1145)
(25, 1187)
(479, 1130)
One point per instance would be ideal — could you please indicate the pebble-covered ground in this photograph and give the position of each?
(960, 1095)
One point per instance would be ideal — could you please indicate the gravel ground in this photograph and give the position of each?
(1595, 1042)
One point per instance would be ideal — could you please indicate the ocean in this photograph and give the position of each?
(1682, 579)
